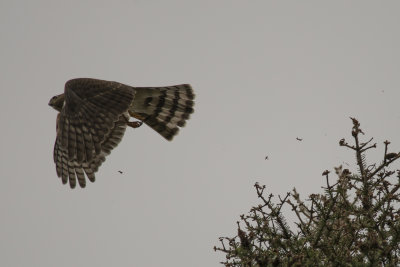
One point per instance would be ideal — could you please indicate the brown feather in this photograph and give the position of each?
(94, 115)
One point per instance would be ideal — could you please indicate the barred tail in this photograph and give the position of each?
(163, 108)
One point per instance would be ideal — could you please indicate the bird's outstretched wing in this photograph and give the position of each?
(91, 123)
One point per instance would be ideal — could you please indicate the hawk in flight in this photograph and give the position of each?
(93, 115)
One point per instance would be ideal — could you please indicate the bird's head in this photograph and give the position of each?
(57, 102)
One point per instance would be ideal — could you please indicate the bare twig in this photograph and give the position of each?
(354, 222)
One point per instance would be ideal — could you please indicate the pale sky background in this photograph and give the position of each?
(265, 72)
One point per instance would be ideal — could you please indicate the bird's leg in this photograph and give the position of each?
(134, 124)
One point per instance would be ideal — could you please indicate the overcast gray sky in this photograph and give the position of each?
(265, 72)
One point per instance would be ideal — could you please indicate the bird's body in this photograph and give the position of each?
(93, 116)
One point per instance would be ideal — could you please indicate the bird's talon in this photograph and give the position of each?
(135, 124)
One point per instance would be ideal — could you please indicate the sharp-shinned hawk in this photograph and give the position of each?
(93, 115)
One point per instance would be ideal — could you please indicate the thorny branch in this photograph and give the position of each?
(355, 221)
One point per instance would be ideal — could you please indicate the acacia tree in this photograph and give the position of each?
(355, 221)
